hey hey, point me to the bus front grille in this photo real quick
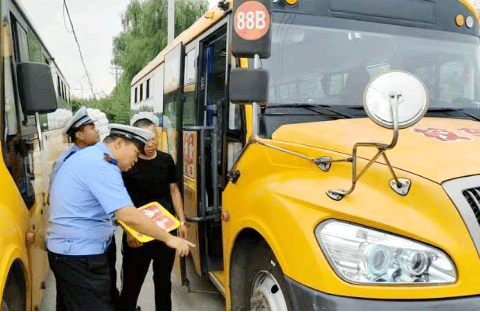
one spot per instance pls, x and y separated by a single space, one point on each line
465 195
473 197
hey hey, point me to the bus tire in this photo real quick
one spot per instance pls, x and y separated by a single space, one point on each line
13 298
265 287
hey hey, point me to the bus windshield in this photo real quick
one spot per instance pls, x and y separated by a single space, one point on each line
314 62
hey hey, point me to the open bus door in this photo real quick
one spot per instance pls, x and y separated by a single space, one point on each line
203 145
192 149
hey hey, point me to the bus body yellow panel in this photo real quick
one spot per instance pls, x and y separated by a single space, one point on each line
273 192
14 216
278 196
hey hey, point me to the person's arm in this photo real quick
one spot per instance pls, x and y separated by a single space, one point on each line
178 206
142 224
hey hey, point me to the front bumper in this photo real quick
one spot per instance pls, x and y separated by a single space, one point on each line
307 299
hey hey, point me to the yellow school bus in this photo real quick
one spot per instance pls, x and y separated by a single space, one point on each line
31 139
288 207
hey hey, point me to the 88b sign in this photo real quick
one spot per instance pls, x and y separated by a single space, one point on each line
251 22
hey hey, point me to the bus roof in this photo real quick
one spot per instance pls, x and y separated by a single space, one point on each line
210 18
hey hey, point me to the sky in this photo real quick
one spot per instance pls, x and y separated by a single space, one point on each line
96 23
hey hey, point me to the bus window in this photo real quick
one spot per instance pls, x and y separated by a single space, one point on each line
34 48
59 87
190 67
427 74
17 164
312 89
453 80
11 123
234 117
189 109
336 84
158 90
147 89
375 70
22 40
234 151
234 135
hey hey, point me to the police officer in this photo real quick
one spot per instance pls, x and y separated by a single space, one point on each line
87 194
82 132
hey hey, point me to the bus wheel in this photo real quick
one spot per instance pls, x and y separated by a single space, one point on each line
13 295
265 285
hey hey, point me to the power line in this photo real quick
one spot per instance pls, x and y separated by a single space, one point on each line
79 49
63 14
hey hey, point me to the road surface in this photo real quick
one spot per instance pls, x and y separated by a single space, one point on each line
181 299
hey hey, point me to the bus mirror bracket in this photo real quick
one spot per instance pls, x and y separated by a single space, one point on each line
397 90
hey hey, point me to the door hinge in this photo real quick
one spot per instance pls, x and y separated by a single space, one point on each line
233 175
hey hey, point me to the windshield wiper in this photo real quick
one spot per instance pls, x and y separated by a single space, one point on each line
310 107
453 110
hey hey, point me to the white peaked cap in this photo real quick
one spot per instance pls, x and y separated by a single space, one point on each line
145 115
131 133
80 118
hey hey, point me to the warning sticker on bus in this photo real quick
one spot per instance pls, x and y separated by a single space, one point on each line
162 218
251 20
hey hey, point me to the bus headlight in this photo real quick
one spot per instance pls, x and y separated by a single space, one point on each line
365 256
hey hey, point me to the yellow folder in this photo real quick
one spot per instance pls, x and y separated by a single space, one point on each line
159 215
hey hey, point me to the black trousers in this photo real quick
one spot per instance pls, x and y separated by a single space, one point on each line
85 282
134 269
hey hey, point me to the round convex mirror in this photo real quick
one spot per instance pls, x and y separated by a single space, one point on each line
412 104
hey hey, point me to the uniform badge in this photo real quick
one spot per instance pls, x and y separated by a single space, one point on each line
110 159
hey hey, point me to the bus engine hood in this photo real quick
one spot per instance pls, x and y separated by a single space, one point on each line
438 149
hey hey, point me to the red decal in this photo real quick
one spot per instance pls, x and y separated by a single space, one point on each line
441 134
472 131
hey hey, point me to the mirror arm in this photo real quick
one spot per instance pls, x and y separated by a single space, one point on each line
255 108
39 132
394 99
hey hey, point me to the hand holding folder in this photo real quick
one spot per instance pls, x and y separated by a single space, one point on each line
159 215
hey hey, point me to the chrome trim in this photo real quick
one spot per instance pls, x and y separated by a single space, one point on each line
454 190
403 188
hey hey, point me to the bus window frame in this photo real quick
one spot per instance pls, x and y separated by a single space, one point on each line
25 132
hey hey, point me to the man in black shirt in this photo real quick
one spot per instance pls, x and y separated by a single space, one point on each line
153 178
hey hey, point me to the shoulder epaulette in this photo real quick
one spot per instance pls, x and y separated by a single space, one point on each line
109 159
70 154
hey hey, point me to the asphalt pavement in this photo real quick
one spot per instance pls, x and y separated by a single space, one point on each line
182 300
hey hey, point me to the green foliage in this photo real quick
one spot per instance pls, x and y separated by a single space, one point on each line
61 103
143 36
76 104
34 48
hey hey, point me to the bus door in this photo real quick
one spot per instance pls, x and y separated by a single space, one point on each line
212 102
203 151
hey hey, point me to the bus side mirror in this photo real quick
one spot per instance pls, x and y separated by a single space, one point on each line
37 92
248 85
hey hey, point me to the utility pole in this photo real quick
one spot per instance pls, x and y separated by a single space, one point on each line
117 71
171 20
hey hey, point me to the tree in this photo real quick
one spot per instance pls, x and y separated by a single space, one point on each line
143 36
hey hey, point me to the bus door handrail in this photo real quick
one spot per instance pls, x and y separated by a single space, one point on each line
203 217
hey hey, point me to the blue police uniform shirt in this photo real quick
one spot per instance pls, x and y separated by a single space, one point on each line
87 190
60 160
